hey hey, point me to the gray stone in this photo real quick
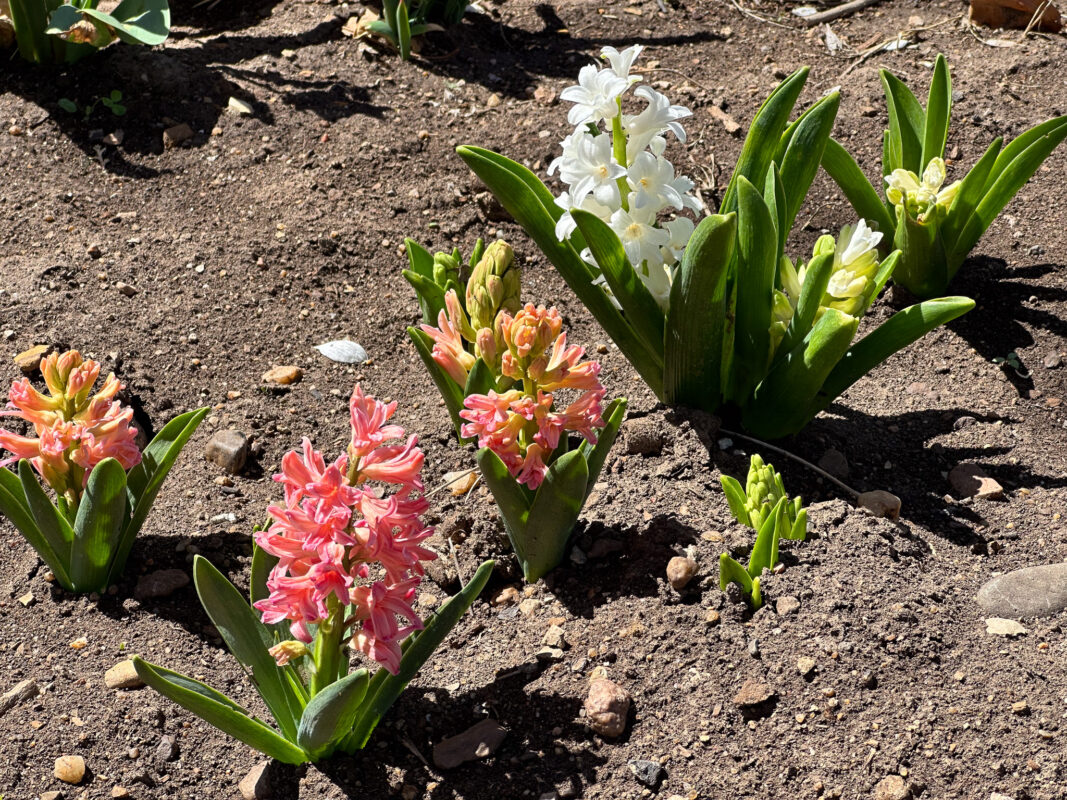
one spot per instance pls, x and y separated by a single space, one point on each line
1028 592
228 449
606 708
648 773
998 626
786 604
834 462
19 693
256 784
478 741
892 787
167 749
161 583
123 676
970 480
643 436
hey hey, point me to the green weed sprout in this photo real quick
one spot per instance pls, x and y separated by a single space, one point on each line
403 20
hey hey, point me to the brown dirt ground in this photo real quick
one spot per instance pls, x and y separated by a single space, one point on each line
266 235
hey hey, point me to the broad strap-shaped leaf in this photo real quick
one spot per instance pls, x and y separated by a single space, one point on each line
763 137
757 266
403 30
800 161
13 506
782 403
329 716
765 550
98 527
865 200
923 268
731 571
640 307
145 480
968 196
596 454
907 125
385 687
799 530
249 640
736 497
881 278
775 198
694 341
53 525
479 380
144 22
816 279
533 206
896 333
451 392
553 514
1021 143
217 709
431 296
1008 178
938 112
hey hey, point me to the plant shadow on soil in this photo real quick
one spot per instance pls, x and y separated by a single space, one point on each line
190 85
508 59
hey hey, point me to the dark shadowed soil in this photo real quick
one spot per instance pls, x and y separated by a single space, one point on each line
265 235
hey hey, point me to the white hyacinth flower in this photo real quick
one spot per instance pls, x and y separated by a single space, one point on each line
679 230
647 128
566 225
589 168
639 234
621 63
920 197
596 95
652 179
855 263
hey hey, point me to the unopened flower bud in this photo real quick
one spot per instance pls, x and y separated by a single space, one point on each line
485 346
494 285
283 652
446 268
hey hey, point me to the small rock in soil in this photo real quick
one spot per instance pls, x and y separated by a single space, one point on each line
969 480
126 289
753 648
120 793
30 360
19 693
479 741
868 680
892 787
227 449
1022 708
834 462
643 436
606 708
786 605
805 666
283 375
1053 360
51 796
880 504
529 606
648 773
755 699
167 749
70 769
680 570
712 618
1028 592
554 638
256 784
123 676
506 596
998 626
161 583
176 134
549 655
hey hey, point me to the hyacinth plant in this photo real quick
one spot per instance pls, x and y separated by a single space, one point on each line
933 225
84 449
713 316
401 21
54 31
500 367
337 570
764 506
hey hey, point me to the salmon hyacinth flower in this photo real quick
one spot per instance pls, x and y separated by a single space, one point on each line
349 551
75 430
521 425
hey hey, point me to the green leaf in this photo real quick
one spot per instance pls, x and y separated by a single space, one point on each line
868 204
732 572
450 391
480 379
782 403
512 500
799 530
30 21
249 640
533 206
774 197
640 307
98 527
816 279
907 124
800 161
216 709
144 22
736 497
553 515
968 196
763 136
757 267
145 480
923 268
13 506
385 688
330 715
765 550
881 277
695 334
898 332
52 524
938 112
403 30
595 455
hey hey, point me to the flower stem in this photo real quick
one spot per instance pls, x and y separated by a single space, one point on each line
328 647
618 145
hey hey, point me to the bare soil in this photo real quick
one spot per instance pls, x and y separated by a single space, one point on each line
265 235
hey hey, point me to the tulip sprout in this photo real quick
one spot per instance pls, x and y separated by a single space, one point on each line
936 226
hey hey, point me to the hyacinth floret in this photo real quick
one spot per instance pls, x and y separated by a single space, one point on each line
618 172
348 539
75 429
